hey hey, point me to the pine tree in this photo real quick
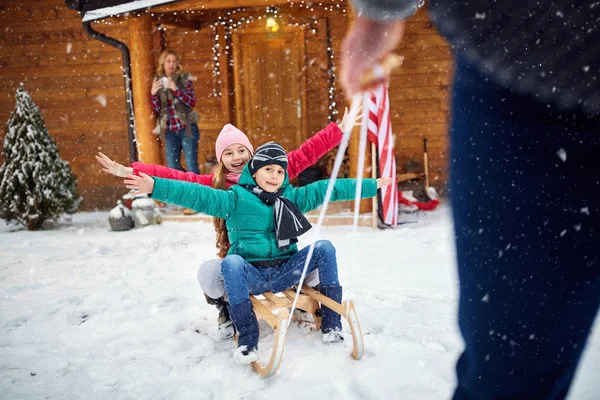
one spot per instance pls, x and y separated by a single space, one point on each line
36 185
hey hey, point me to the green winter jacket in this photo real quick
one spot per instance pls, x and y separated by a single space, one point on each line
249 221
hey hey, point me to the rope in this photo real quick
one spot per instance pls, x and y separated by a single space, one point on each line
334 173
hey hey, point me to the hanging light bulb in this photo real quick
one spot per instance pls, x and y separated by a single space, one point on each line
272 24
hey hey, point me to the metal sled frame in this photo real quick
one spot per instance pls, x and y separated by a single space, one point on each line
308 301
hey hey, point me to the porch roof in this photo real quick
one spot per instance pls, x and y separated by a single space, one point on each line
92 10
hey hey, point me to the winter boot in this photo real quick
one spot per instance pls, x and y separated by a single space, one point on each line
331 322
245 322
226 329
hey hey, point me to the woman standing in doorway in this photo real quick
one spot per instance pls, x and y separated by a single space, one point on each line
173 99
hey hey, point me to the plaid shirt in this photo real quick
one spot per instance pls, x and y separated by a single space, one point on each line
186 96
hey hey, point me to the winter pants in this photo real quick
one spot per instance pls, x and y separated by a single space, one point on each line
176 141
241 278
211 279
525 192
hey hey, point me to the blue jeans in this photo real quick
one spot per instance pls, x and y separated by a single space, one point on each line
177 141
525 202
242 278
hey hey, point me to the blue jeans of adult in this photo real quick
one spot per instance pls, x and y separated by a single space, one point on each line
525 192
176 141
242 278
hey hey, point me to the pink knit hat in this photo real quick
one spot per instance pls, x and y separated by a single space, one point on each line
231 135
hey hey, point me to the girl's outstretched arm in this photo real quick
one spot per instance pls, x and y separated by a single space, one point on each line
113 167
215 202
171 173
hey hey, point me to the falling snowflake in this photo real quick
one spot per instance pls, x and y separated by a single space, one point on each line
562 154
101 99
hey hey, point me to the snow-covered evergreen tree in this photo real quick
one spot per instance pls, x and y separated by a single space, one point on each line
36 185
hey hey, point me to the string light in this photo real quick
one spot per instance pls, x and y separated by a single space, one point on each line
231 24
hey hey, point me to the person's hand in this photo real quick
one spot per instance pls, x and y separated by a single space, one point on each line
350 120
366 43
156 86
171 84
381 182
113 167
141 184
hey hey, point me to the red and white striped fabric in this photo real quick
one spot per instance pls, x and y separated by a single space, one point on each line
376 108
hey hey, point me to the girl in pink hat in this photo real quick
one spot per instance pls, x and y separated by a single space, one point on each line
233 150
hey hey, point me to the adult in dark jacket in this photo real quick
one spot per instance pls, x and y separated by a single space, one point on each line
523 180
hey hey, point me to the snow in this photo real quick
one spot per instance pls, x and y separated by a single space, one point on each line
143 202
90 313
101 99
100 13
120 211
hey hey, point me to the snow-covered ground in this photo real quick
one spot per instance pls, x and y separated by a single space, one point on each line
86 313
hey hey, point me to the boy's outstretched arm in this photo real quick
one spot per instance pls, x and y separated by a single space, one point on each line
215 202
312 196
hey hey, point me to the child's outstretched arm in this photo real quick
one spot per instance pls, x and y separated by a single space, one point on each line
113 167
215 202
171 173
312 196
322 142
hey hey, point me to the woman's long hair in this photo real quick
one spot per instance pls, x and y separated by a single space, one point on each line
160 70
219 182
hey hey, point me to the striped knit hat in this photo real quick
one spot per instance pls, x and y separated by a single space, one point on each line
268 154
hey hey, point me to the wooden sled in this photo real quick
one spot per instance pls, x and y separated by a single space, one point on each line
308 301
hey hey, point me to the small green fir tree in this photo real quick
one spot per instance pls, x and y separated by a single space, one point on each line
36 185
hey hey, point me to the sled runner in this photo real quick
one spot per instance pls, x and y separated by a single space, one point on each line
308 301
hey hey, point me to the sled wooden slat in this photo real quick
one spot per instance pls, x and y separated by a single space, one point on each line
350 316
269 369
308 301
263 312
334 305
289 293
278 302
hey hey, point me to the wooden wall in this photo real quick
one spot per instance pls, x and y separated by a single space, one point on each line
77 83
419 100
196 53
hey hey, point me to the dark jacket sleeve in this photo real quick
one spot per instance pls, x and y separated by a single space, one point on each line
386 10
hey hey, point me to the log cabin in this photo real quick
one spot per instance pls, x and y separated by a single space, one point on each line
274 84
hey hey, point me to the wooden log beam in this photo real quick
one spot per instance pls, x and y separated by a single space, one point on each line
142 73
194 5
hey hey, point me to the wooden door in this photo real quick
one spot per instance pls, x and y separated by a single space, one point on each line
270 85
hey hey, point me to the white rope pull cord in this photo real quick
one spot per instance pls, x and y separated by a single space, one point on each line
334 173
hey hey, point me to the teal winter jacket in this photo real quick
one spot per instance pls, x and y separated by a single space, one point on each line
249 221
